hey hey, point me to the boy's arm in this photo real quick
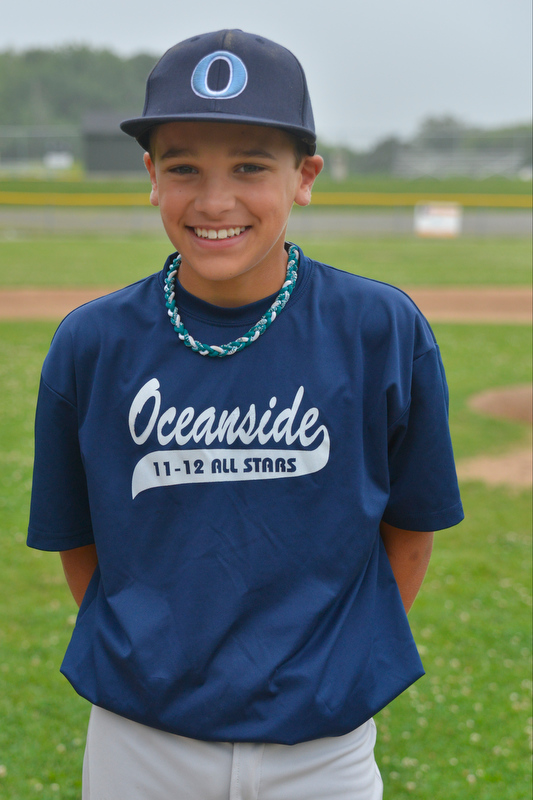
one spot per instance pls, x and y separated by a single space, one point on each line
409 553
79 565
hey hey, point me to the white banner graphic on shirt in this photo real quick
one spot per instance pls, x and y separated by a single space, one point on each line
212 427
172 467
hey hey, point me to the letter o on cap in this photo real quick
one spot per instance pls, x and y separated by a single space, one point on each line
238 76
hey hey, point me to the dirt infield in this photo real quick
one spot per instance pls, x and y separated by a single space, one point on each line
484 304
514 468
512 402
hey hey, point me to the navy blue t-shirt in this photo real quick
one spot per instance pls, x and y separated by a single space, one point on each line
243 591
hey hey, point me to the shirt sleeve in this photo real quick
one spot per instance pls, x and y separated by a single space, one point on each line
424 493
59 515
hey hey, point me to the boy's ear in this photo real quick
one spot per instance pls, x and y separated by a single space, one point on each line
149 164
309 169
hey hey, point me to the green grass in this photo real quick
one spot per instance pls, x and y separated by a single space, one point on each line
476 358
115 261
79 185
406 261
356 183
464 730
81 261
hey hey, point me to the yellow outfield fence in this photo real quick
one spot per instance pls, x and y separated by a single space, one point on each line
369 199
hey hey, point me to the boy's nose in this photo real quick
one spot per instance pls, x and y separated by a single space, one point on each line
214 197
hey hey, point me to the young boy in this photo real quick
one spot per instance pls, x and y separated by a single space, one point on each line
244 534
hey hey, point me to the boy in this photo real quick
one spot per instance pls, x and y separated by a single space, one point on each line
244 534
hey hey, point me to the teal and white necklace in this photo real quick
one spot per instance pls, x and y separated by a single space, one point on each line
214 351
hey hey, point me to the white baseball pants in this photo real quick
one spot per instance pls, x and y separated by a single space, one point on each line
128 761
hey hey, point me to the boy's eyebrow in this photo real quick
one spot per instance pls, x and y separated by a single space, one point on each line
253 152
177 152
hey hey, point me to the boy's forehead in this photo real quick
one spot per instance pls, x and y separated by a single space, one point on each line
234 138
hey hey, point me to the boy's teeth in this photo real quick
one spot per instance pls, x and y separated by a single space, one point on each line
223 233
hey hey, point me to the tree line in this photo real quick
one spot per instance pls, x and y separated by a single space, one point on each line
58 87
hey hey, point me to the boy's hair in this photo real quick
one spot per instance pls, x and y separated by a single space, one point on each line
228 76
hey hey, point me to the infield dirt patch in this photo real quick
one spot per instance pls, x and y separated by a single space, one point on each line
514 468
483 304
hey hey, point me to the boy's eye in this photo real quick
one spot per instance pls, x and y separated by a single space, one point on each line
250 168
183 169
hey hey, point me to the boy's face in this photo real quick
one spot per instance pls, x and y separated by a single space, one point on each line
225 193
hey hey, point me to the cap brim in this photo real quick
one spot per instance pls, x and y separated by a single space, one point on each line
140 127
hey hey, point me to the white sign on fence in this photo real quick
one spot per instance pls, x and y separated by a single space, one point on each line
438 220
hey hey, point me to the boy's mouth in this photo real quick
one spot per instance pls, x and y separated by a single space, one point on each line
222 233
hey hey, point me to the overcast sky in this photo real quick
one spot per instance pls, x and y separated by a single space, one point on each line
374 67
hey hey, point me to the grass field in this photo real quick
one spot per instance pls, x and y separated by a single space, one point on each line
115 261
463 732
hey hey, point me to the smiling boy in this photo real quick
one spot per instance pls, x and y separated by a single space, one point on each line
212 178
242 460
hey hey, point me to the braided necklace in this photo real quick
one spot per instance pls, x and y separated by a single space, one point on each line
214 351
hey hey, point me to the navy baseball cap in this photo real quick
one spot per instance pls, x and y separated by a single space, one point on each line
227 76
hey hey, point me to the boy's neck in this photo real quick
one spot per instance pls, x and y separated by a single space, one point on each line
260 281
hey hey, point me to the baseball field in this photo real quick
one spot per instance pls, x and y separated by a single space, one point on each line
464 730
